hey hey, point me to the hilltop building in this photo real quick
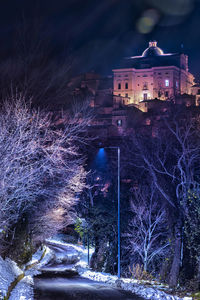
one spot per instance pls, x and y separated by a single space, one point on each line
153 75
142 89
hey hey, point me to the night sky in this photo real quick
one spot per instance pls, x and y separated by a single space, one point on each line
99 33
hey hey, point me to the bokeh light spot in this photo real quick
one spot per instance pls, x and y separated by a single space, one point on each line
147 21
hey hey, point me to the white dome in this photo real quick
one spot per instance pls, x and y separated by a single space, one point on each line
152 50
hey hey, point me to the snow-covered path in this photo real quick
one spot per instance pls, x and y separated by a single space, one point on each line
147 290
60 280
61 272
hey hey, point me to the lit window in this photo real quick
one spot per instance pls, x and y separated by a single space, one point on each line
119 123
119 86
166 82
126 85
177 84
145 96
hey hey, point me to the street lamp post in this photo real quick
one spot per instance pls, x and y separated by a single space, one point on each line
118 209
88 248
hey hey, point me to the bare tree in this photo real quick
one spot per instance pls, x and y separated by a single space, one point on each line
170 159
41 171
147 234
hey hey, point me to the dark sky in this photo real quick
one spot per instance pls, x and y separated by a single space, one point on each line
99 33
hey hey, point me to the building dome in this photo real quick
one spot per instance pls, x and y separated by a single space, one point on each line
152 50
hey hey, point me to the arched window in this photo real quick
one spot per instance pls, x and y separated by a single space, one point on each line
126 85
119 86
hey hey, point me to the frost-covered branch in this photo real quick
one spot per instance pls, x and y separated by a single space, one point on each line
41 171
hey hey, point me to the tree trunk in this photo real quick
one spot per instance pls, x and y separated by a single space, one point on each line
175 268
145 264
164 270
98 257
93 260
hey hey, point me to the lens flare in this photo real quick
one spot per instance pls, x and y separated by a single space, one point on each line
147 21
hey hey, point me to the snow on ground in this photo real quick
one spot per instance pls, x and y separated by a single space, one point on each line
49 255
77 251
24 289
133 285
74 248
9 271
36 256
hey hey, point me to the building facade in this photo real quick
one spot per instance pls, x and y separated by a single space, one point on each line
138 91
153 75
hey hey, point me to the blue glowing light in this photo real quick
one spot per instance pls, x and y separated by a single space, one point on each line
101 152
101 162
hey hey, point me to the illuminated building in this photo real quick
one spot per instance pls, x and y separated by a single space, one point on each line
145 88
153 75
